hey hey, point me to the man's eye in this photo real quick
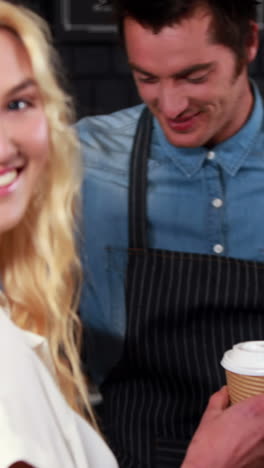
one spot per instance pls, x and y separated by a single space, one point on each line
198 79
18 104
146 79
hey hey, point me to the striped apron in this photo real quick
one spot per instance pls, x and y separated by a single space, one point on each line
183 311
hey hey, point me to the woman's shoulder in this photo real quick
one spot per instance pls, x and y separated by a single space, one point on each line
97 452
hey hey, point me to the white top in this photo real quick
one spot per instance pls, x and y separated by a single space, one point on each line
37 426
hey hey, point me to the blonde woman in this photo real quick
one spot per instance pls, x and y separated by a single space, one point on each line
43 397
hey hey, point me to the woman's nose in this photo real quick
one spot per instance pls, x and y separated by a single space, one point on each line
7 145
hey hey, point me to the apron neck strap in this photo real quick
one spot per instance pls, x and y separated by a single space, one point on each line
138 182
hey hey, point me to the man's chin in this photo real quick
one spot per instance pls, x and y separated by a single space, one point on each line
185 140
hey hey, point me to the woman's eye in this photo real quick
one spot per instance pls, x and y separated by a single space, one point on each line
18 104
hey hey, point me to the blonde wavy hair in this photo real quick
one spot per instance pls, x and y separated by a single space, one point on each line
39 266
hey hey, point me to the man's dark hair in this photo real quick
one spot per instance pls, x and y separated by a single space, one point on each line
230 18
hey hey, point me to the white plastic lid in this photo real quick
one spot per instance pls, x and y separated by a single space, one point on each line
245 358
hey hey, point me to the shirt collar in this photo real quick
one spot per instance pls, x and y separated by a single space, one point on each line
229 154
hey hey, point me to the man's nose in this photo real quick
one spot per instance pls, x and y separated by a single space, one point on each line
172 101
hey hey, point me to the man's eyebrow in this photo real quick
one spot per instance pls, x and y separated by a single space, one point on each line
28 83
194 68
183 73
138 69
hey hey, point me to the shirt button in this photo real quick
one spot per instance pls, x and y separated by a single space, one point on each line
218 248
217 202
211 155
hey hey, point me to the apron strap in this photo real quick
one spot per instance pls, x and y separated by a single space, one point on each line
138 182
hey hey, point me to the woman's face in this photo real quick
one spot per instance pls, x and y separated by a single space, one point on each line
24 137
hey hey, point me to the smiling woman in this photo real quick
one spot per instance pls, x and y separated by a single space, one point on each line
24 139
42 389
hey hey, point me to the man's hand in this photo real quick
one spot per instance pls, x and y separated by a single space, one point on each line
229 437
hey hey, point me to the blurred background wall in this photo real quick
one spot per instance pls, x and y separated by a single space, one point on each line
95 63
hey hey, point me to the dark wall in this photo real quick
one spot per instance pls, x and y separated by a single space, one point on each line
100 76
95 63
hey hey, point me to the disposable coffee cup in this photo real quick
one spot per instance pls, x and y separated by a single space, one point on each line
244 368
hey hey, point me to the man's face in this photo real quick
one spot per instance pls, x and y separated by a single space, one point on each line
189 83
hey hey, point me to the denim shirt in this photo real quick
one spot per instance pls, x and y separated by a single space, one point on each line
198 200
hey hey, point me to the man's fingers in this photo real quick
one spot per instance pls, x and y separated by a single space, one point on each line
232 437
218 402
251 410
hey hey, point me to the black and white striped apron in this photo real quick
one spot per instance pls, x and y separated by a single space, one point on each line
183 311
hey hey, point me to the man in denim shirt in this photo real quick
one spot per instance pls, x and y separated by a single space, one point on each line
173 241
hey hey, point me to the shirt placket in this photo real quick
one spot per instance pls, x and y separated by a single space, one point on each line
216 206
